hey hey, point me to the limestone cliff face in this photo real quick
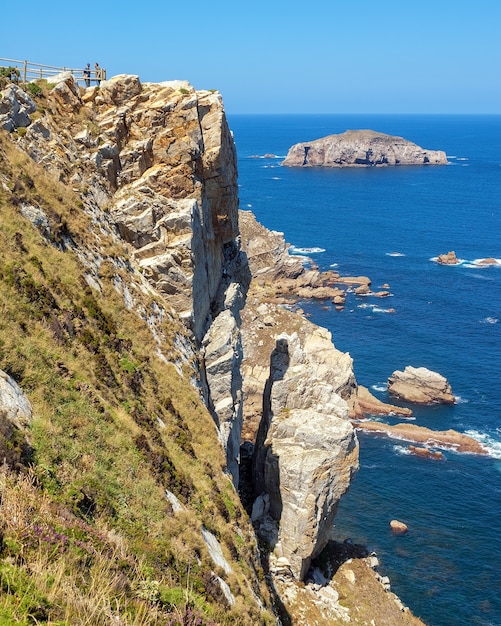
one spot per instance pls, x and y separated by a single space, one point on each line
156 167
362 148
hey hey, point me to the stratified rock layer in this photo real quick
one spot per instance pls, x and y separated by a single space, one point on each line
362 148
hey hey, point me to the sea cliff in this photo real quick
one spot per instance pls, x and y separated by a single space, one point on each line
160 310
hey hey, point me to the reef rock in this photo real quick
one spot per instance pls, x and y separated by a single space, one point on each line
426 453
362 148
419 434
448 259
420 386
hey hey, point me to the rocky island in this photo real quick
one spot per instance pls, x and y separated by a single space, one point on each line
361 148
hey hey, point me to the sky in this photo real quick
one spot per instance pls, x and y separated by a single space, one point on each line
282 56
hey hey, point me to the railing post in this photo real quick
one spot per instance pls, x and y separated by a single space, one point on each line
25 67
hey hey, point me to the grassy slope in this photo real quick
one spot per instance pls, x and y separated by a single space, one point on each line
87 534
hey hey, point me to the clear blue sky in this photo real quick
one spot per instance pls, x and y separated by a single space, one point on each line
290 56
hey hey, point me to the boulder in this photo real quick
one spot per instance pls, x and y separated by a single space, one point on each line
398 528
15 107
361 148
420 386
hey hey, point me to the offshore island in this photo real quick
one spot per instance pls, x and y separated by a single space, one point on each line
361 148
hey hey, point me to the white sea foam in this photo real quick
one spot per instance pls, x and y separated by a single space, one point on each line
462 158
492 445
489 320
401 450
297 250
395 254
378 309
380 387
460 400
276 178
334 265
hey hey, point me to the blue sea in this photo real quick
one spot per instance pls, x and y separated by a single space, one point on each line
390 224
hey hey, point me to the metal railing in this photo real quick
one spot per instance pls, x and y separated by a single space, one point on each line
25 71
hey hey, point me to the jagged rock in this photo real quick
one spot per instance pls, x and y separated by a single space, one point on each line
361 148
448 259
15 107
66 92
420 386
306 451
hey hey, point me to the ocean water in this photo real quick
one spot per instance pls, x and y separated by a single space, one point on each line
390 224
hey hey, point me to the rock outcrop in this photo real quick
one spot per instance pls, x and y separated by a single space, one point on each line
306 451
448 259
420 386
361 148
445 439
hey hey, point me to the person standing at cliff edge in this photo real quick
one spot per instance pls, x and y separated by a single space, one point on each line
86 75
99 73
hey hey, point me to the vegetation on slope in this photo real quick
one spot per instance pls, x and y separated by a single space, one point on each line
87 534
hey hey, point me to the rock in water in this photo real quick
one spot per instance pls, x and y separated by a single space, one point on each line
362 148
421 386
398 528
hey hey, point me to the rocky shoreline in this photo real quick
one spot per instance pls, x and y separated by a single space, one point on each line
155 169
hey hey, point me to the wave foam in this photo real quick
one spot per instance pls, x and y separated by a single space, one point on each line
380 387
401 450
394 254
297 250
493 446
489 320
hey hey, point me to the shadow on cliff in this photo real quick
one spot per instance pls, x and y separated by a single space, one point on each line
262 476
334 555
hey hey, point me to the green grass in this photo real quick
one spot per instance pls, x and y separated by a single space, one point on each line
86 532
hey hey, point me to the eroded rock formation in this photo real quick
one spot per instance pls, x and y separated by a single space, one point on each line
420 386
361 148
306 450
444 439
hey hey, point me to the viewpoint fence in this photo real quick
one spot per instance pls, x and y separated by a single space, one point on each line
25 71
